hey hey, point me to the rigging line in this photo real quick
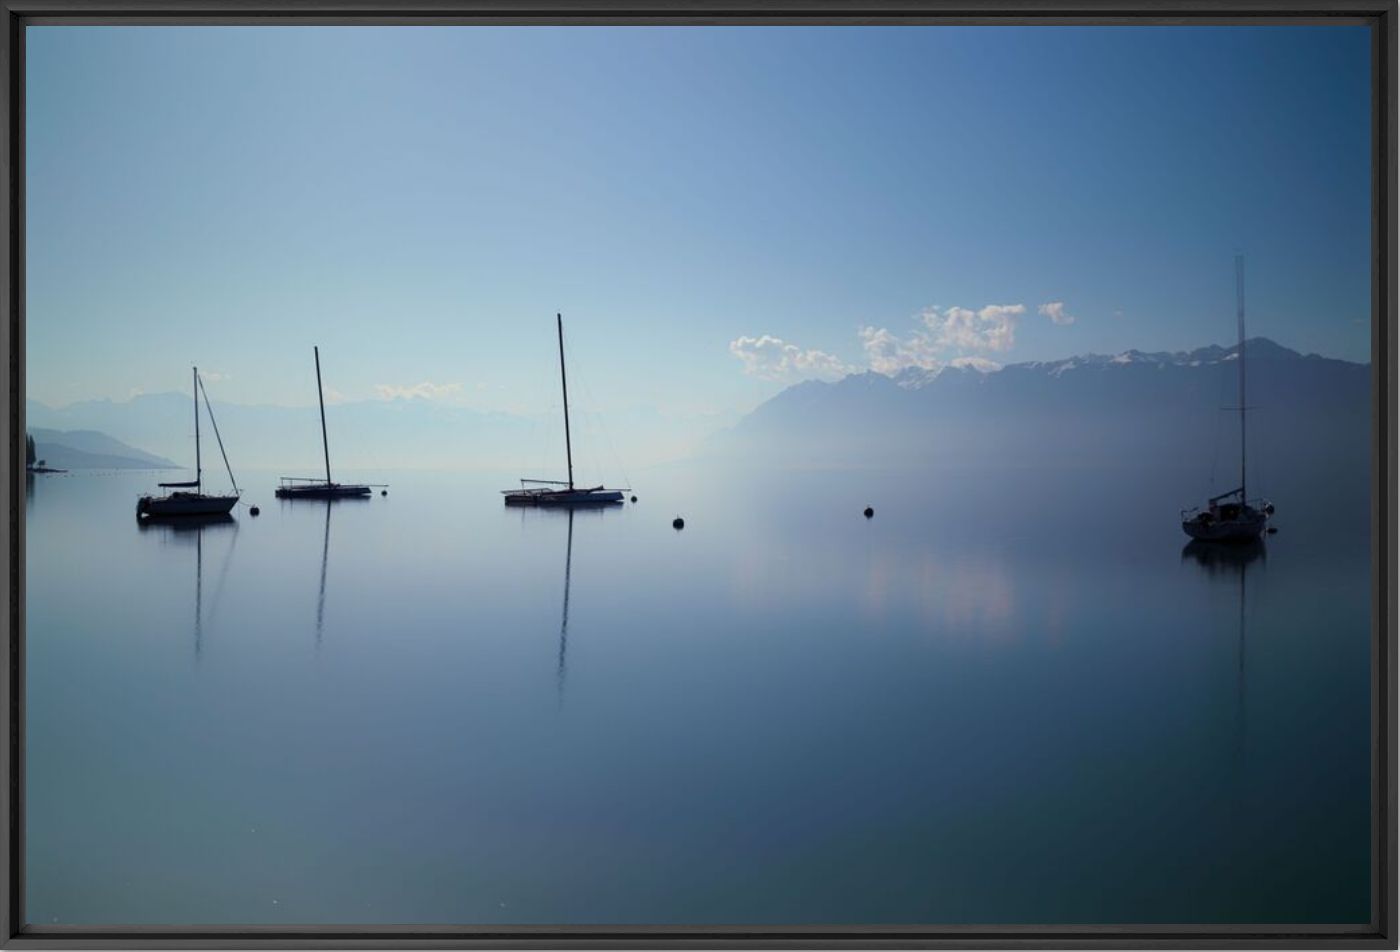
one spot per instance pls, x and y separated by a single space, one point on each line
209 409
607 436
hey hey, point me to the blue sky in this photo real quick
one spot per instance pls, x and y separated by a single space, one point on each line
421 201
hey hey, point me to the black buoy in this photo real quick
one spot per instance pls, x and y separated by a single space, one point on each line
869 512
634 498
383 492
678 523
253 510
1272 529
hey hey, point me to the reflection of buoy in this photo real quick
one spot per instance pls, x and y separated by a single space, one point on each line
869 512
253 510
383 492
634 498
678 523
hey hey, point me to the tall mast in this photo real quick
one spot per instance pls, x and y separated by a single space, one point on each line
1239 359
564 380
321 397
198 473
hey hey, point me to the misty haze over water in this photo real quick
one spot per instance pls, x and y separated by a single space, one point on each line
1010 696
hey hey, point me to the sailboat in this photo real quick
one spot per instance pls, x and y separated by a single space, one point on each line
314 487
181 501
552 492
1232 516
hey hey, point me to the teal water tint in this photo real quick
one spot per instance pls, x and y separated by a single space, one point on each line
1007 698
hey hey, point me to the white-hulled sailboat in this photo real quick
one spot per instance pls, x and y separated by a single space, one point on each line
314 487
553 492
1232 516
181 501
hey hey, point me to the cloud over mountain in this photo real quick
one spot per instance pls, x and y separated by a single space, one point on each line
1158 409
772 358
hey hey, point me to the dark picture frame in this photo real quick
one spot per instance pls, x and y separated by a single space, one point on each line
1380 15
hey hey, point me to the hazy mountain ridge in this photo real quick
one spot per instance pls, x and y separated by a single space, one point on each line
403 433
1091 410
89 449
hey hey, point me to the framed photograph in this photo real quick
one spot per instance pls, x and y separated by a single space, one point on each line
714 473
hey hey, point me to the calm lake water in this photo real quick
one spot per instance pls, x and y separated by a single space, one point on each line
1007 698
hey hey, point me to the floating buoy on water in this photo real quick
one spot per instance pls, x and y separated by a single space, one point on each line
1272 529
869 512
678 523
253 510
383 492
634 498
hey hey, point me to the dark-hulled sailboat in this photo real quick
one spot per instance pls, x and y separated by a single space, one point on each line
188 498
314 487
1232 516
553 492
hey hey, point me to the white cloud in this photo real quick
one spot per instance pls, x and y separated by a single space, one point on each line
993 327
772 358
420 391
888 353
950 336
976 363
1055 310
213 376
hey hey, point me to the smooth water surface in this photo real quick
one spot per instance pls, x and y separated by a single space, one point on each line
1007 698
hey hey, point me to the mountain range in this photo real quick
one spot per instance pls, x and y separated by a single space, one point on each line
1104 411
89 449
1132 408
375 434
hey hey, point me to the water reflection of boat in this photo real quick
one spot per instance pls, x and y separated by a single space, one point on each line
321 595
1226 562
564 615
193 528
553 492
188 498
1232 516
561 671
313 487
1218 558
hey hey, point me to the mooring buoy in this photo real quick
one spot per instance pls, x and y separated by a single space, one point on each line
678 523
869 512
634 498
383 492
253 510
1272 529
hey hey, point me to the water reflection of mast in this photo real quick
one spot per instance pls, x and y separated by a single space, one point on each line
564 619
321 598
199 575
180 531
198 591
1219 560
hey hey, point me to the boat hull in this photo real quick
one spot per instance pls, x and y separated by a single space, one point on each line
1245 528
323 491
178 505
564 497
